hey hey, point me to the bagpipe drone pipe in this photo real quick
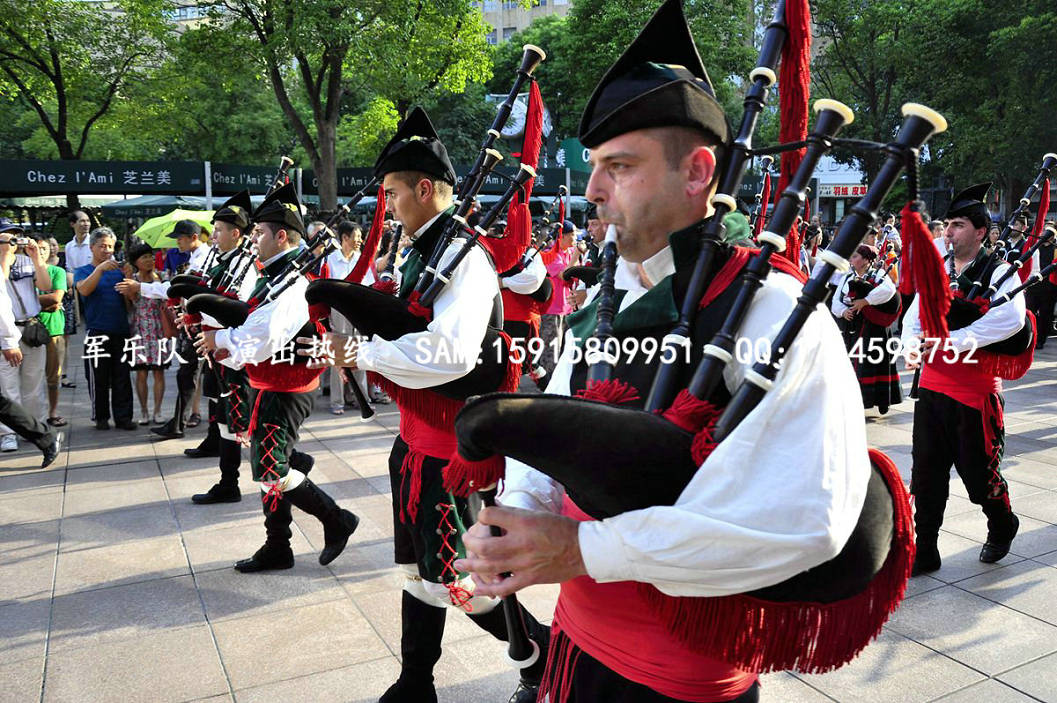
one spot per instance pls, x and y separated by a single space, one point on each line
882 314
376 312
812 622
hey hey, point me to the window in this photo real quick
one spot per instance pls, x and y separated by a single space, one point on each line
510 4
489 5
491 38
509 32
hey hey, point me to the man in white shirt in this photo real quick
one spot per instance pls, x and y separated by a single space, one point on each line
12 413
341 262
24 383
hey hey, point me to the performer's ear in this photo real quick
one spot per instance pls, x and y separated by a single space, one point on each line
701 169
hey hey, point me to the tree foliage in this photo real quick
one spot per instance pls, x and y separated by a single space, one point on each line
69 61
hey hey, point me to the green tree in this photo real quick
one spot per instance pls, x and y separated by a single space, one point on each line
70 60
326 51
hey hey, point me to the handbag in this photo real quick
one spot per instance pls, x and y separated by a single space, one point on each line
34 333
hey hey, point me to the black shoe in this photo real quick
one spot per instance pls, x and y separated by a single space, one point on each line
218 494
104 425
997 546
125 425
926 560
51 452
276 553
338 523
170 430
525 693
201 452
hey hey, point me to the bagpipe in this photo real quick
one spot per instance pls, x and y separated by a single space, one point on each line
882 314
389 273
814 621
759 211
375 312
243 260
549 234
1009 358
231 312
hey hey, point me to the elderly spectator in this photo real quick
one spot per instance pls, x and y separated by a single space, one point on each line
54 320
106 329
24 383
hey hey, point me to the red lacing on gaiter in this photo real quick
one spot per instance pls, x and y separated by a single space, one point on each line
236 414
268 460
458 595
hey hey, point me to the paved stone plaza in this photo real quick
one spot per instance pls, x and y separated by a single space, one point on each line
114 587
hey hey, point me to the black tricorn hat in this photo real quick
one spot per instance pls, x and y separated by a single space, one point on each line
970 203
659 81
236 211
416 147
281 207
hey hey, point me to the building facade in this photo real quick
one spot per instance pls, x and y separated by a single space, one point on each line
508 17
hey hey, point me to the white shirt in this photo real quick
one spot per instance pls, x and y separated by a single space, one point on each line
269 328
528 280
450 345
340 267
10 335
882 293
996 324
22 288
758 512
77 254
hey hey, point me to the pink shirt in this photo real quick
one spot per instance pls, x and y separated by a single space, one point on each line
558 262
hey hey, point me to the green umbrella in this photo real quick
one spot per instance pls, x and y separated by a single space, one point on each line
155 231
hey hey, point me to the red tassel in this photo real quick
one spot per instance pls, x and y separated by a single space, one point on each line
561 211
507 251
612 391
758 635
1005 366
923 272
415 308
512 379
765 201
431 408
462 476
794 90
370 247
390 287
562 656
690 414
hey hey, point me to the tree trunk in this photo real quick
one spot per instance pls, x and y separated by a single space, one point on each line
73 200
326 169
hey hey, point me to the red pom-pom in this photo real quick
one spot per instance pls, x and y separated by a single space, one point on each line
689 413
389 286
612 391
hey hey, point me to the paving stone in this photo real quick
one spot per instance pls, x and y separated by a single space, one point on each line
228 594
989 690
367 566
114 476
922 584
176 665
41 504
24 629
125 562
129 494
1026 586
895 669
359 683
1031 472
284 643
220 546
21 680
975 631
1041 506
28 539
94 617
28 576
1049 559
108 527
1037 678
25 482
382 610
784 686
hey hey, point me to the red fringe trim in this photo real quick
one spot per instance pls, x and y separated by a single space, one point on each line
1007 367
512 379
690 414
462 476
612 391
431 408
758 635
415 308
704 443
390 287
562 655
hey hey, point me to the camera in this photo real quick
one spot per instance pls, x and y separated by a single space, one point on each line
19 241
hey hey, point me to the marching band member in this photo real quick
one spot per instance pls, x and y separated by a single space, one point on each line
757 512
958 418
284 391
865 304
418 178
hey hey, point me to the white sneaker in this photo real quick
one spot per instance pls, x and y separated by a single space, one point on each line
9 443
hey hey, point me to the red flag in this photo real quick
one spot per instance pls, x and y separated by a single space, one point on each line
370 247
1036 231
507 251
794 91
